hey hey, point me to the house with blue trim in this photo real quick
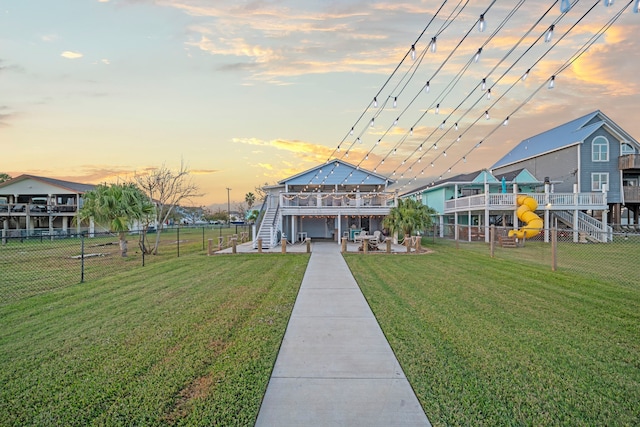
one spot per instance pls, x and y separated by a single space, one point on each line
332 200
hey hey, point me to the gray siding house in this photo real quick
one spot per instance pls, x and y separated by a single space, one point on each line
589 154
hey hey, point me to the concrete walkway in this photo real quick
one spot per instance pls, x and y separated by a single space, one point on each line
335 366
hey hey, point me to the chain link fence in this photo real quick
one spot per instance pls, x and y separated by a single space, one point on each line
31 265
615 256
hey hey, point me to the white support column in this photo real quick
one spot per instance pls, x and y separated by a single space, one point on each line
455 226
469 218
547 206
575 213
441 226
339 237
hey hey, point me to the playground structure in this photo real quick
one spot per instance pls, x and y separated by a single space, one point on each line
526 213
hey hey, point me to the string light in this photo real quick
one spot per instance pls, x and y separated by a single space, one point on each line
411 132
437 108
427 88
552 82
506 122
420 147
395 101
395 122
350 132
459 138
413 52
486 115
372 120
482 24
442 124
456 125
433 45
488 93
375 102
476 58
358 140
526 74
549 35
484 84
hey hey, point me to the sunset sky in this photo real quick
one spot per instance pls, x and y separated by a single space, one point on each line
250 92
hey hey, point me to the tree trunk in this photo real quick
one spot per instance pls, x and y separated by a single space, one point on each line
123 244
407 241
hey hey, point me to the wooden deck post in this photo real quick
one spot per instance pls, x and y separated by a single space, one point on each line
210 248
260 245
308 240
344 245
233 246
283 242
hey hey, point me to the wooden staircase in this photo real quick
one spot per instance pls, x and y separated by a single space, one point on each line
507 242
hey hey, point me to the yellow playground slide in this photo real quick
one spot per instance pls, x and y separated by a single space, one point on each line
526 213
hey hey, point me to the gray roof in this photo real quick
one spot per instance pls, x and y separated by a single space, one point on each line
73 187
563 136
337 172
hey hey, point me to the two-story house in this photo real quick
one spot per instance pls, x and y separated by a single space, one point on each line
32 205
329 201
589 154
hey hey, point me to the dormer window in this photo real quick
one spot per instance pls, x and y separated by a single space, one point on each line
600 149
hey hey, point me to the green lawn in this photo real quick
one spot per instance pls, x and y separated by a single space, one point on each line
189 341
501 342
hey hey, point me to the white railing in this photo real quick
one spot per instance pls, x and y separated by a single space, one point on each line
588 225
331 200
555 201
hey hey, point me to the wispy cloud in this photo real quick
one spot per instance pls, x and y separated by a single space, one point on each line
71 55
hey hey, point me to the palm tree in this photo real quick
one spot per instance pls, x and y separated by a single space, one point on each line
250 200
116 206
410 215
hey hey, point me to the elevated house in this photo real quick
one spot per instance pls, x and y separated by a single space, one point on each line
587 155
35 205
583 175
469 204
332 200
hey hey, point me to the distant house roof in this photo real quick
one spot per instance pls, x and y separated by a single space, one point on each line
563 136
520 176
72 187
336 172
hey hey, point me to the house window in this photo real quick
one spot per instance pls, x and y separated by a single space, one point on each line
600 149
626 148
598 180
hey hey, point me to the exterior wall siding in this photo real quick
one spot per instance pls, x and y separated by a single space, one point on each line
610 167
558 166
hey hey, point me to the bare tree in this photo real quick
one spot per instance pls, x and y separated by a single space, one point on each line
166 189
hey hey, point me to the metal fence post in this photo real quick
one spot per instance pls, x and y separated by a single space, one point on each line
178 240
203 238
492 239
144 249
554 249
81 258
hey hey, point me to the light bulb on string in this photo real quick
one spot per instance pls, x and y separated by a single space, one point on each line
444 153
488 94
413 52
433 45
395 101
565 5
432 165
346 154
464 159
419 159
375 102
442 124
435 146
449 170
552 82
526 74
476 58
459 138
484 84
382 162
395 122
427 88
437 108
395 150
482 24
486 115
377 142
506 122
351 131
372 120
420 147
456 125
549 35
403 162
358 140
338 148
366 157
411 132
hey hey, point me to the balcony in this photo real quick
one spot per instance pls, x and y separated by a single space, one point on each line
551 201
629 161
336 203
631 194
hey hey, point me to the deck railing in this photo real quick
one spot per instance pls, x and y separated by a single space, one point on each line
331 200
497 201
